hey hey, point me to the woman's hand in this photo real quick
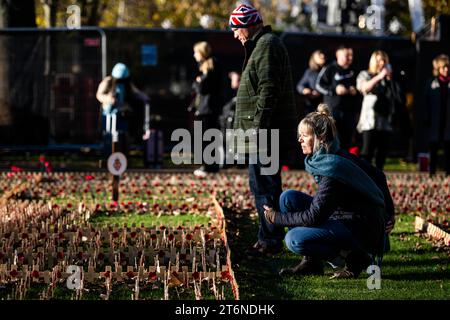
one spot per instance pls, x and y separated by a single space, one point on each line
269 214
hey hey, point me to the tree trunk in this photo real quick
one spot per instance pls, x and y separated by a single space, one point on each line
50 7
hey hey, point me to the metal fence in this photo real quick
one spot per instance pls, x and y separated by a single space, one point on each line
53 75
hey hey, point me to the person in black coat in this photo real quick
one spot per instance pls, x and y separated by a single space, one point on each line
349 216
307 84
437 115
208 102
337 83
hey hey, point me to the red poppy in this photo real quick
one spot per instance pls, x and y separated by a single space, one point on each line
153 236
58 274
225 275
195 206
133 234
107 274
170 206
196 275
14 273
189 237
130 274
21 256
149 192
115 234
61 236
152 276
162 228
16 169
35 274
69 205
171 237
89 177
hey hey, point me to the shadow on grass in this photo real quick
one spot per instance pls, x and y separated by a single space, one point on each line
257 277
417 276
416 263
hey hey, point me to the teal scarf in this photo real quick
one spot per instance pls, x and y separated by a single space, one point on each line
328 164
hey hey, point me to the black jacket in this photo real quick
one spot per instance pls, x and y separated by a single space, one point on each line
328 79
309 80
333 198
209 93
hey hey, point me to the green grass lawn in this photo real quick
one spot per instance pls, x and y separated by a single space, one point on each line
150 220
413 269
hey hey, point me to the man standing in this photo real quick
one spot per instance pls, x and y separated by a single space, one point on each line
337 82
265 100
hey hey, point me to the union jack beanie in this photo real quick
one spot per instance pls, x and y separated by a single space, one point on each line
245 16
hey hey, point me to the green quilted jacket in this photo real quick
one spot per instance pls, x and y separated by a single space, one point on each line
265 98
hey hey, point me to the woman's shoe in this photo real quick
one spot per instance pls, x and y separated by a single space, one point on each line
356 262
308 266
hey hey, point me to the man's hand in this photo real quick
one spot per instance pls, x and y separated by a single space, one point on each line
307 91
390 225
146 135
341 90
269 214
315 93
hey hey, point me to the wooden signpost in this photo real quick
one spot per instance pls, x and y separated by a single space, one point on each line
117 164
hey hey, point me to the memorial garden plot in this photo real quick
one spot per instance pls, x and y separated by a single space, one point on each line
59 239
61 236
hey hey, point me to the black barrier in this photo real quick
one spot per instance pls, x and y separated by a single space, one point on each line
54 74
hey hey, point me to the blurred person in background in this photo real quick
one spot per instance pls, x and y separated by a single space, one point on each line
121 98
437 116
337 83
381 94
207 102
307 84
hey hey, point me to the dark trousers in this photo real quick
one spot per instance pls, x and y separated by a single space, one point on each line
434 147
375 143
345 125
209 122
266 190
323 241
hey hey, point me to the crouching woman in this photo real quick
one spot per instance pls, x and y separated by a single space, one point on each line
349 217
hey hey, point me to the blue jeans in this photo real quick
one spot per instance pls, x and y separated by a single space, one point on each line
266 190
323 242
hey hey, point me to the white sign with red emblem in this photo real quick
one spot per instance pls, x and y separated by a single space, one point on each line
117 163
